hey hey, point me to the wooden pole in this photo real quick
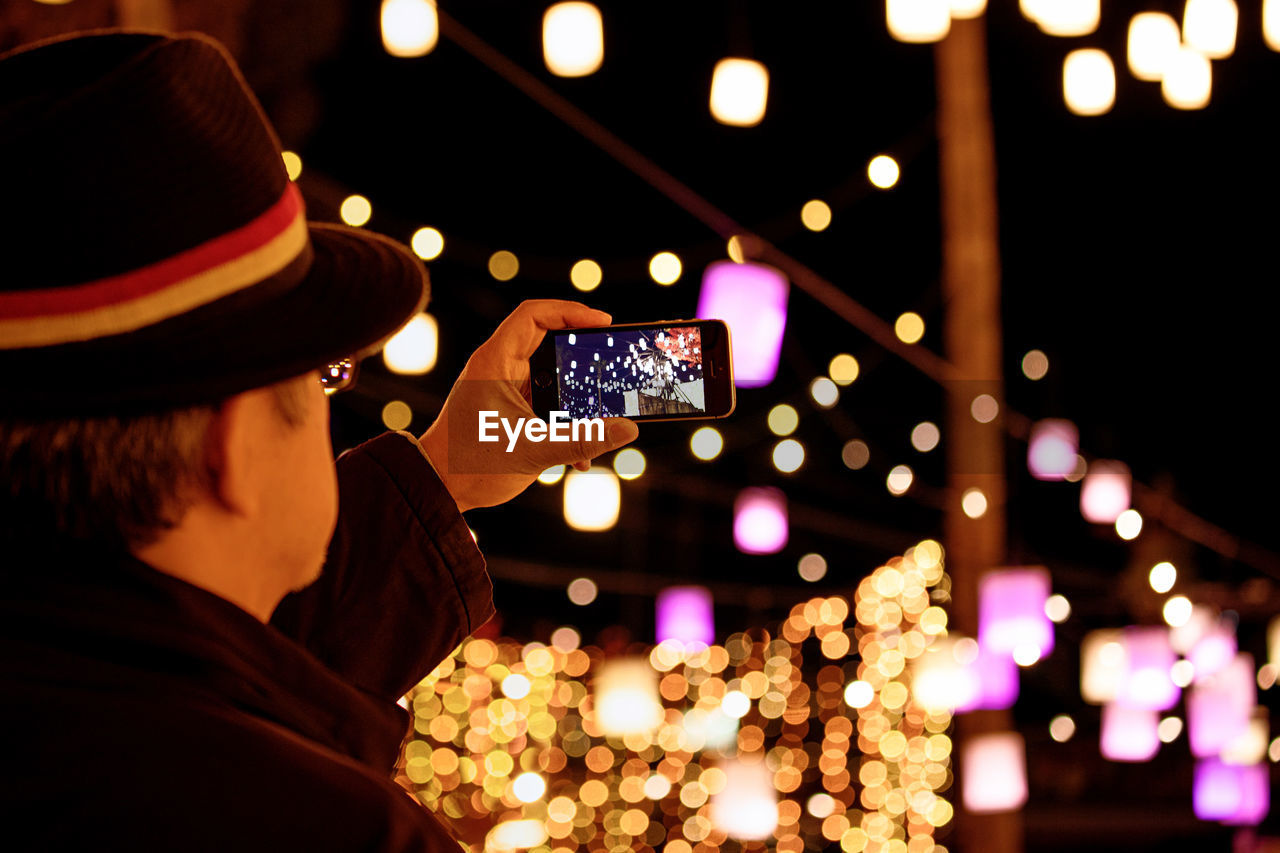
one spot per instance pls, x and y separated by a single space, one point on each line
971 292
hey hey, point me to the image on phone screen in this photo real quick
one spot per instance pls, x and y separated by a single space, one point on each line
629 372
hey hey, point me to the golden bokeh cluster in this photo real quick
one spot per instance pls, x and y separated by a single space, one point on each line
867 777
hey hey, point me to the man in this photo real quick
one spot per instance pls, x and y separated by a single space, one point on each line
206 625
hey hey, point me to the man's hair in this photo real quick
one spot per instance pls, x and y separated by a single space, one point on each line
117 483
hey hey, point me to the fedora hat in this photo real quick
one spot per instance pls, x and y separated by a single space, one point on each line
154 252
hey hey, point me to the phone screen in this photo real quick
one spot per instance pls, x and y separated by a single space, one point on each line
631 372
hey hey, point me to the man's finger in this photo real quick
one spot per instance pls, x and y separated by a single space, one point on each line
521 333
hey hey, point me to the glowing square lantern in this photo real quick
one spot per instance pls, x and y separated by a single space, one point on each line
1051 452
739 91
1105 491
1220 707
1149 659
572 39
918 21
1231 793
994 772
747 807
760 521
592 499
1103 662
685 615
997 676
625 695
1011 617
409 27
752 299
945 676
1129 734
1213 651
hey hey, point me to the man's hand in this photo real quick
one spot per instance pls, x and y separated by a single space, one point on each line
496 379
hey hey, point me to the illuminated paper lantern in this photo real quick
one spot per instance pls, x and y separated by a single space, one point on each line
409 27
1220 707
1209 26
1249 747
1103 662
944 677
412 350
1271 23
685 615
997 676
1088 82
1105 491
1147 683
1188 81
1067 17
994 772
572 39
1184 637
760 521
752 299
747 807
625 694
1231 793
1129 734
1011 617
1154 38
739 92
592 499
1051 452
1213 651
918 21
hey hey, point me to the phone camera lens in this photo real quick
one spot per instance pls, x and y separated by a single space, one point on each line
542 378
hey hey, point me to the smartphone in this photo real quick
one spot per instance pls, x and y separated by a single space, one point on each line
674 370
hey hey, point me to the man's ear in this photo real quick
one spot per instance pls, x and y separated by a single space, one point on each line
230 455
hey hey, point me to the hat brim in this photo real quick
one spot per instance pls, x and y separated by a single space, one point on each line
360 289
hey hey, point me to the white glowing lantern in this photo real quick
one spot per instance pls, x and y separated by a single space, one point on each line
1271 23
1105 491
918 21
994 771
1051 451
1130 734
1103 662
515 835
1184 637
412 350
592 499
1089 82
739 91
1188 81
942 680
1209 26
747 807
1068 17
625 694
409 27
1249 747
1153 41
572 39
966 9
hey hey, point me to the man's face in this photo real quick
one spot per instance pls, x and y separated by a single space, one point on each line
302 508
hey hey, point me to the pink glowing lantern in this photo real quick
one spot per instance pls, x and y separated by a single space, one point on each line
994 773
685 615
1105 491
760 521
1011 617
752 299
1051 451
1129 734
1220 707
1213 651
1147 683
1231 793
997 680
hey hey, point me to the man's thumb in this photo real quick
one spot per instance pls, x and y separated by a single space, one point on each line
621 431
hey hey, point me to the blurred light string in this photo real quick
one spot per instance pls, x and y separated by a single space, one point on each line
1154 505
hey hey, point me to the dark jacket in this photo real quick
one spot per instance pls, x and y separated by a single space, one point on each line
138 712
